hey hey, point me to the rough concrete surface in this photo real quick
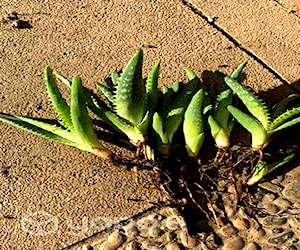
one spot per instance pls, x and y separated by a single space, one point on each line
91 38
263 27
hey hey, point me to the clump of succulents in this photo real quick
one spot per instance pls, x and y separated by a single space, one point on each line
151 117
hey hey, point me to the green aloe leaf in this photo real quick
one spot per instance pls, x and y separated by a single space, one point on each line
279 107
258 132
283 118
263 168
151 84
236 73
151 97
287 124
253 104
221 114
176 87
106 92
193 124
158 127
132 132
174 116
42 129
220 135
115 77
190 74
130 92
63 79
59 103
81 121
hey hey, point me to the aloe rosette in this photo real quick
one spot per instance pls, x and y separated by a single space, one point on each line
262 123
74 126
132 100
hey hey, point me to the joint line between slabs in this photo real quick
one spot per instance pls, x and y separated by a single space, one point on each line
238 44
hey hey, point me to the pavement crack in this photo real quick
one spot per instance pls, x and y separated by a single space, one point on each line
196 10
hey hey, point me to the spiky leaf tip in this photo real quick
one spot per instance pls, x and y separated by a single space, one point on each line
59 103
190 74
151 87
82 123
115 77
236 73
253 104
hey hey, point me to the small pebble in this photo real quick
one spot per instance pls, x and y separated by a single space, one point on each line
151 245
270 187
210 19
277 230
87 247
253 246
291 191
145 223
170 236
278 179
211 241
241 223
230 211
279 240
292 247
297 204
154 232
186 240
228 230
258 233
130 230
172 246
171 223
295 224
235 243
133 245
271 208
116 239
274 221
106 245
283 203
268 197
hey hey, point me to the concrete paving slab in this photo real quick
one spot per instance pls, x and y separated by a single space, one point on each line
262 27
42 180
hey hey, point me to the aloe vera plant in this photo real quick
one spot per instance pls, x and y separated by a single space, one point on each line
262 123
221 122
74 126
174 103
132 99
